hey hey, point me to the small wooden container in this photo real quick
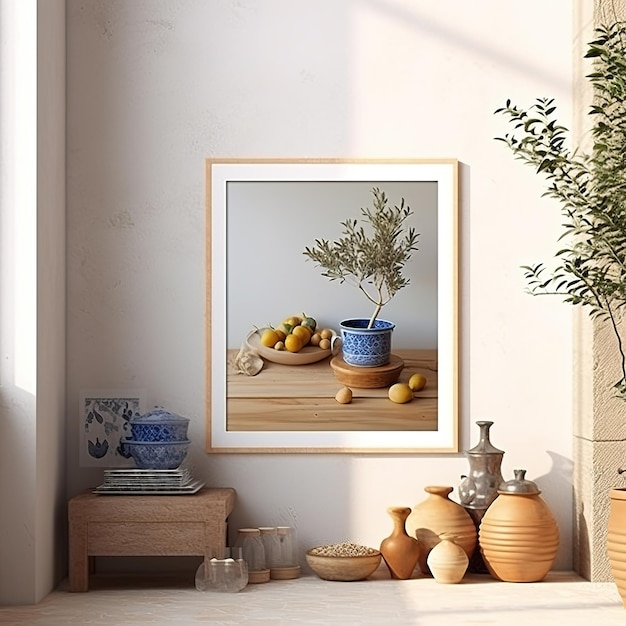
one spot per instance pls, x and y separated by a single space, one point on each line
285 573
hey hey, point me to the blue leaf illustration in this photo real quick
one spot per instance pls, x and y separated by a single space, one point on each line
97 450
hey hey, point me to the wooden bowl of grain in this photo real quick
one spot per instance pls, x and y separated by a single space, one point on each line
343 561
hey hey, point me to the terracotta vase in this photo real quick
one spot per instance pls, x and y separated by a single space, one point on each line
616 539
518 534
400 551
448 561
436 515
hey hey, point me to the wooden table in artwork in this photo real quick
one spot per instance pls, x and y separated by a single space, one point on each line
145 525
302 398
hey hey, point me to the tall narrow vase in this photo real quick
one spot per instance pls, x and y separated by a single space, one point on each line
479 488
438 514
616 539
400 551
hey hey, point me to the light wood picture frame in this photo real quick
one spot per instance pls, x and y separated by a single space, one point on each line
260 215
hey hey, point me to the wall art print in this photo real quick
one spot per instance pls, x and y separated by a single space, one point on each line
103 419
261 216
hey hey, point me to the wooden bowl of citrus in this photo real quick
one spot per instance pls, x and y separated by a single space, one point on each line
292 342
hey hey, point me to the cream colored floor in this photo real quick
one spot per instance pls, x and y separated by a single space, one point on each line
562 599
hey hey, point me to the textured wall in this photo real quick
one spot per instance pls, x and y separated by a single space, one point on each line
32 299
155 87
599 417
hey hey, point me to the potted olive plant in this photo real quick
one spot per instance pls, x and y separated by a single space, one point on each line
591 188
372 261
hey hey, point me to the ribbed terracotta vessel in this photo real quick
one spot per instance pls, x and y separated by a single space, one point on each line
448 561
436 515
400 551
518 534
616 540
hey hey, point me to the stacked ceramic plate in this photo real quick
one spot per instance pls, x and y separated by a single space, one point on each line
142 482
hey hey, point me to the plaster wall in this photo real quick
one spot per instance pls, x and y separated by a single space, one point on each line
599 416
32 299
154 87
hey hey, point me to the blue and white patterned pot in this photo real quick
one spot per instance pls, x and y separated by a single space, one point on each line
159 425
157 455
363 346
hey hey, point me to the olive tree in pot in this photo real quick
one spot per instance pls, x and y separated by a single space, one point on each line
591 187
372 261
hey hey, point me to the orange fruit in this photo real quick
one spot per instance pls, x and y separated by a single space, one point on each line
293 343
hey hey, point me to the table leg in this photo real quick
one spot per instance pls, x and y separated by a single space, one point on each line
78 559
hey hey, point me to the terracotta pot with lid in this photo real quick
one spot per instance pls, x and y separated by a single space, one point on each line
518 534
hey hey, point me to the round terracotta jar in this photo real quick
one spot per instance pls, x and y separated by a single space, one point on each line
436 515
448 561
518 534
616 540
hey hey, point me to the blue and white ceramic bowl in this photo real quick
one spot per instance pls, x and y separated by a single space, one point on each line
158 455
159 425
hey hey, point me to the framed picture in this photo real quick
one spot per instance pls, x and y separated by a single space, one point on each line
262 215
103 417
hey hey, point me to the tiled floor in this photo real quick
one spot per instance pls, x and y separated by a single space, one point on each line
562 598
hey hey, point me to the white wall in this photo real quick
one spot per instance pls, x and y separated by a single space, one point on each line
32 299
155 87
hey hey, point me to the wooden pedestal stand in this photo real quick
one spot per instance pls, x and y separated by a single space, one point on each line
367 377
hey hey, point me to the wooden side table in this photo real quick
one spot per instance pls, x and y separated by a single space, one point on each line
146 525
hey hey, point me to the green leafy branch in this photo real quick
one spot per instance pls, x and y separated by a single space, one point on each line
591 188
372 263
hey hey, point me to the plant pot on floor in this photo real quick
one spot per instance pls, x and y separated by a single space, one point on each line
616 539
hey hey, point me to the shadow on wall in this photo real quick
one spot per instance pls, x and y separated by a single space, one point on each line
557 490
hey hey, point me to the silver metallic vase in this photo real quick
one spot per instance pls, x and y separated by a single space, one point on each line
480 487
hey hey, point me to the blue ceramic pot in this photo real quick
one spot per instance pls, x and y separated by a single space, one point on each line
363 346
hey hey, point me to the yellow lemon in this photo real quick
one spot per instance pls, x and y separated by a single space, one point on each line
293 320
269 338
417 382
400 393
303 332
293 343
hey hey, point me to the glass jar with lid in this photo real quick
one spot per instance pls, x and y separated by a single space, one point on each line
289 562
249 540
271 543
